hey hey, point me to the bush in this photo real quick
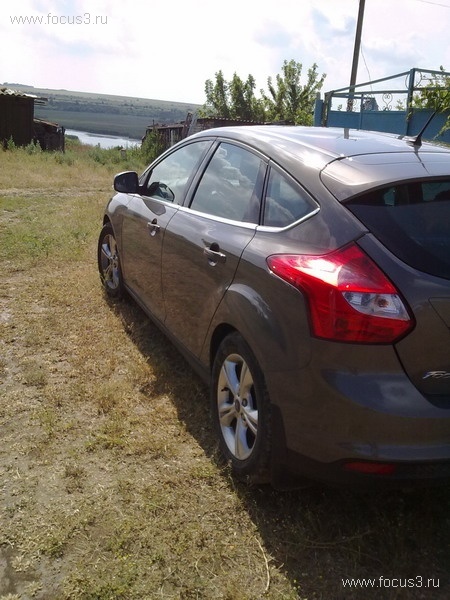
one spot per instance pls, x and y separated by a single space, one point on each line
33 148
10 144
151 147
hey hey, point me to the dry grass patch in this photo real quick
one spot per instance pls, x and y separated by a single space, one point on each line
110 487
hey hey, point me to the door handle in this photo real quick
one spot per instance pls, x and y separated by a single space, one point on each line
214 255
153 227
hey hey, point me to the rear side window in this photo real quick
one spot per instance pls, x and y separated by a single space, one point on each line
413 221
285 201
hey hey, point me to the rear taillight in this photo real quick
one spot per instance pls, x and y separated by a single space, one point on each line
350 299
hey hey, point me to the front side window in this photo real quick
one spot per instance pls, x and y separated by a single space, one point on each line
231 185
285 202
169 178
412 220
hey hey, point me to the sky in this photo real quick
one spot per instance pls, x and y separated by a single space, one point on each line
167 49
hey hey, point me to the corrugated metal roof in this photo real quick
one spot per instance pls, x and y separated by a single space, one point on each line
4 91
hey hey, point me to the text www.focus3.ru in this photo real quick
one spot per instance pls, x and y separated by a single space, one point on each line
50 19
386 582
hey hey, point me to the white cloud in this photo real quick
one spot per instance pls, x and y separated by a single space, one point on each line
167 50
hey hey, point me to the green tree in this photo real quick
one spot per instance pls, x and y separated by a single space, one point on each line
243 102
436 96
217 97
288 100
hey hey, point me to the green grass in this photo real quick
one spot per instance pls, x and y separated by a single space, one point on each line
111 485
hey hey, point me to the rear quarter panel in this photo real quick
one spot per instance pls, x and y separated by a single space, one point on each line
269 313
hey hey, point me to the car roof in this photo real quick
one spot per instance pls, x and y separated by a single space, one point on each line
348 161
334 142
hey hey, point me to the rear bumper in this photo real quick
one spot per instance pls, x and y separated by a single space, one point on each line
358 426
402 475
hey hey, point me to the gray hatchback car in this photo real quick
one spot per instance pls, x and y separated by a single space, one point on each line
305 274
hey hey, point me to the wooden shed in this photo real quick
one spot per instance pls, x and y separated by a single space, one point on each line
16 116
49 135
17 122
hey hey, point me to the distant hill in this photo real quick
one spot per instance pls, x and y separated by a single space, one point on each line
125 116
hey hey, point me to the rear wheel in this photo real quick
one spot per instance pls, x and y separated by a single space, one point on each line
241 409
109 262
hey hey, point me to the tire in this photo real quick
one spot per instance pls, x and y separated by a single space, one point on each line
241 410
109 262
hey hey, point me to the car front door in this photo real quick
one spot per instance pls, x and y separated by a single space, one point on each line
145 221
204 242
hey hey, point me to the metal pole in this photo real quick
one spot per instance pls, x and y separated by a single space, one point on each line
356 51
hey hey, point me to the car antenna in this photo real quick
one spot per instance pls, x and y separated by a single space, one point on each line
417 140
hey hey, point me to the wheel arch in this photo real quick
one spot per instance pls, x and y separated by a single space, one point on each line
218 335
245 310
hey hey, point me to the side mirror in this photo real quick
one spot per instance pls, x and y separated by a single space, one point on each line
126 182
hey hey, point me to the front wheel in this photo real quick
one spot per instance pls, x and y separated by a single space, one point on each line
109 262
241 409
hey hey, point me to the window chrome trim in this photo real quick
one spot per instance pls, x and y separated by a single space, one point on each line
192 211
269 228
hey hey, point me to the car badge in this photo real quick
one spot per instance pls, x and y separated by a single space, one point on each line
436 375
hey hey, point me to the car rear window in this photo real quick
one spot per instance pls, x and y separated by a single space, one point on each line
412 220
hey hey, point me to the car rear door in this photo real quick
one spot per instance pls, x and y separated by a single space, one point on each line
204 243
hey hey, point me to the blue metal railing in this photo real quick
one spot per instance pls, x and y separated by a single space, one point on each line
370 106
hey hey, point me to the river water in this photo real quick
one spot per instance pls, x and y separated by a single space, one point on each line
104 141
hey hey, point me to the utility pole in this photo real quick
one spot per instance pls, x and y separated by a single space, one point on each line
356 51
